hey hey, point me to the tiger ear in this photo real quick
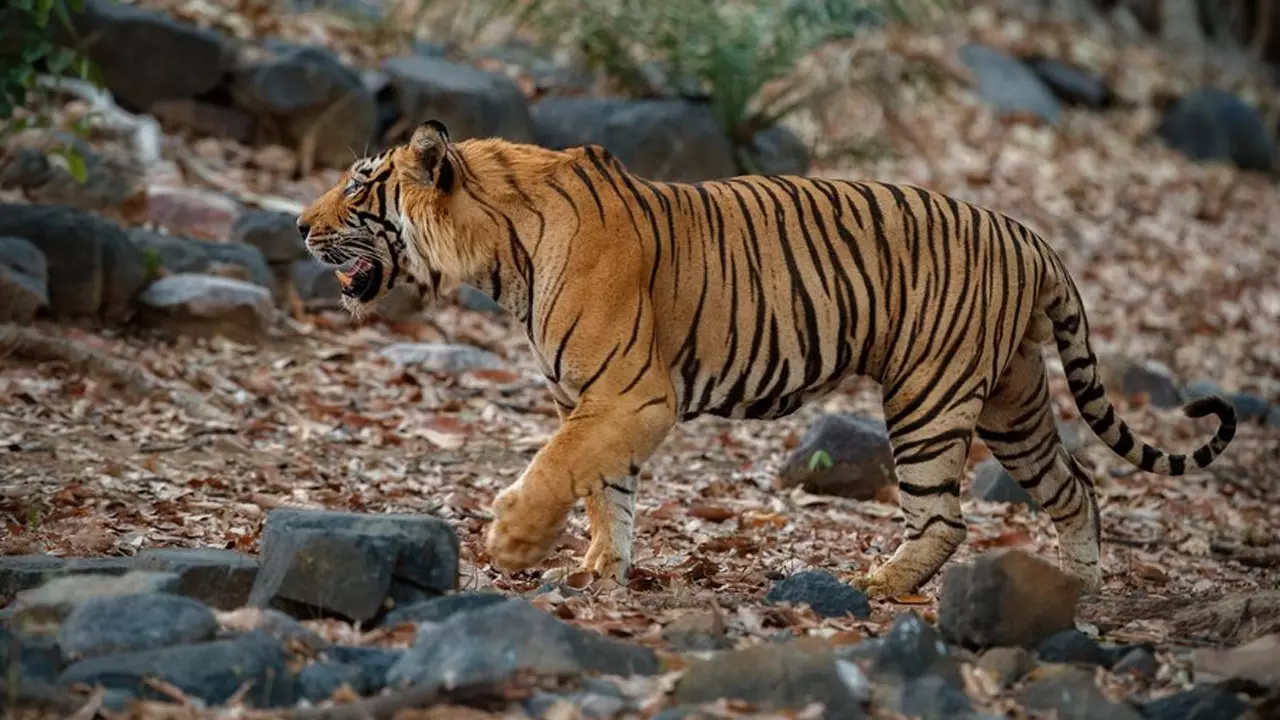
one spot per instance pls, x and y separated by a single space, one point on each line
430 145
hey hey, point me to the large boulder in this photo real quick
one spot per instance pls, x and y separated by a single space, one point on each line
312 98
670 140
1008 86
93 268
147 56
207 305
470 101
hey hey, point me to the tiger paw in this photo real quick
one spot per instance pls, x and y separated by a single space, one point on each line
523 529
884 583
607 561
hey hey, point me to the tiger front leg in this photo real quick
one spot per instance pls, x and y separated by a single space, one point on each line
591 456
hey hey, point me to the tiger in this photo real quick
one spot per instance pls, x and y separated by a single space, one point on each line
648 303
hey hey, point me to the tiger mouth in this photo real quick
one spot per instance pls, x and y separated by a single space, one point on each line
360 278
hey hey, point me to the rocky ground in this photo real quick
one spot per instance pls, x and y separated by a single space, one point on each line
248 500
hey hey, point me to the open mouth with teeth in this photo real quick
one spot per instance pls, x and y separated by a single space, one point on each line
360 278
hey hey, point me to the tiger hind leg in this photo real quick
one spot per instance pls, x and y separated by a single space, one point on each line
929 456
1017 425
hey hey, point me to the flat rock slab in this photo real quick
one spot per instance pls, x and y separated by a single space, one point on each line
60 596
23 572
776 677
491 644
127 623
439 609
211 671
219 578
345 562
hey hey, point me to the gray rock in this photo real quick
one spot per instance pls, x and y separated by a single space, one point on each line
1072 85
1213 125
697 632
441 357
1204 702
1139 663
1151 377
1202 388
317 286
473 299
1250 408
59 596
775 677
177 254
147 56
1005 597
126 623
669 140
308 92
1006 665
821 591
992 483
24 572
493 643
471 102
928 696
207 305
841 455
345 562
24 280
218 578
1008 86
36 658
318 681
1073 695
776 151
913 649
439 609
275 234
374 663
211 671
30 164
93 269
1071 646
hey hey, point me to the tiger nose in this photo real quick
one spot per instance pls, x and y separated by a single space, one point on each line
303 229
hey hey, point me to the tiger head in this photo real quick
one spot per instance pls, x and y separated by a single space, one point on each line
389 220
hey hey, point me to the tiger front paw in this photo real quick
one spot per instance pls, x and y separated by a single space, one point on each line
523 529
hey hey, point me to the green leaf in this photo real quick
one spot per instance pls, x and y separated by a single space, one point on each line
819 460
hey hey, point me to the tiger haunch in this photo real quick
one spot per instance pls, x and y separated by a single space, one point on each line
650 303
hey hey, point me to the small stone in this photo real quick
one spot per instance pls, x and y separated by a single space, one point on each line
1073 695
776 677
317 286
276 625
821 591
216 577
490 644
125 623
344 562
992 483
472 298
777 151
177 254
1250 408
275 234
1006 597
442 357
36 658
1071 646
1008 86
374 663
439 609
1072 85
1202 388
211 671
1204 702
1006 665
697 632
841 455
1139 663
318 681
1149 377
929 696
911 649
208 305
1209 124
